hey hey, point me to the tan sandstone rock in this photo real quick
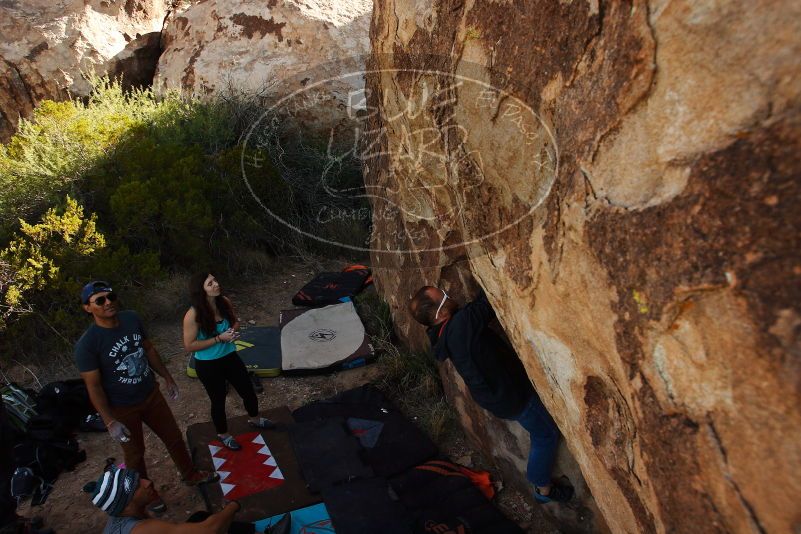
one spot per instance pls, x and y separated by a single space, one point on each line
46 45
271 48
623 181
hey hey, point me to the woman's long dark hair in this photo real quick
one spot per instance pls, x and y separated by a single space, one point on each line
204 315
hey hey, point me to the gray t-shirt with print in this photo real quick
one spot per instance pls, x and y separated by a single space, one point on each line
120 356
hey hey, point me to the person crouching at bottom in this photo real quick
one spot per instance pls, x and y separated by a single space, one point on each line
124 496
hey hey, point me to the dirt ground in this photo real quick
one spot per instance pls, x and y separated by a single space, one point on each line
258 303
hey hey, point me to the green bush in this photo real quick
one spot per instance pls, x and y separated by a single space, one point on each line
39 252
61 143
129 186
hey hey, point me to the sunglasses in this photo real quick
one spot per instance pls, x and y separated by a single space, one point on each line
111 297
444 298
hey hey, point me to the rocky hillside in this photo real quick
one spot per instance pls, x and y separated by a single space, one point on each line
47 47
241 44
268 48
622 178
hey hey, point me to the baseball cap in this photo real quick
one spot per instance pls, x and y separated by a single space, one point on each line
98 286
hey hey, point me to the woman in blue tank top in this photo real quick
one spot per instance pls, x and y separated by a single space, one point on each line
210 329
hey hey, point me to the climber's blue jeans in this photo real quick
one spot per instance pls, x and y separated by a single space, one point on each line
544 441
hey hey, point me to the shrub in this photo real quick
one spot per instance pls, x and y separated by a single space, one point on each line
159 177
43 254
61 143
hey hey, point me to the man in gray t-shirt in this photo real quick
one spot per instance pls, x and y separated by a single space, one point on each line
117 362
119 354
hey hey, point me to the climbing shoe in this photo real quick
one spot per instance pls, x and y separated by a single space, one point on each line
231 443
558 493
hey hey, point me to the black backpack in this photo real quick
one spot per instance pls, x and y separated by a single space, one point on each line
66 400
48 459
46 427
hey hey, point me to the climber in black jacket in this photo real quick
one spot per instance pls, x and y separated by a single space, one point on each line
494 375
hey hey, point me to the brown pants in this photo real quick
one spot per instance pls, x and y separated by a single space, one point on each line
155 413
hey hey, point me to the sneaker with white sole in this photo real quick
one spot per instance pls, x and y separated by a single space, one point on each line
231 443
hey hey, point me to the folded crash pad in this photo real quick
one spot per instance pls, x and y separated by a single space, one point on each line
327 453
442 496
391 443
366 506
330 288
323 339
260 350
264 476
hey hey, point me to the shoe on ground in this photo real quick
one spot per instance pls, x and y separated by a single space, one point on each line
263 423
231 443
198 477
156 506
92 423
558 493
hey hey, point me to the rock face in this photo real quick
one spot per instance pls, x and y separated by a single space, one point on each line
47 45
623 179
271 48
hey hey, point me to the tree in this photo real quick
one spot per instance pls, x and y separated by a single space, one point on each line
45 255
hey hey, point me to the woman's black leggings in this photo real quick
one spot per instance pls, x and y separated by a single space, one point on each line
214 374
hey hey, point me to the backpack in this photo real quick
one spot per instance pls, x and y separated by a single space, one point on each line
48 459
67 401
25 484
46 427
19 404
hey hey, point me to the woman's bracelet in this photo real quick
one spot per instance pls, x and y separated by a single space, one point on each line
216 339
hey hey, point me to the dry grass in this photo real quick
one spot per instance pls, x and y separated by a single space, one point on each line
409 378
251 262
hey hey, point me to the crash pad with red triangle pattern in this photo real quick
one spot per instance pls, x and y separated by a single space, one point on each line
258 487
252 469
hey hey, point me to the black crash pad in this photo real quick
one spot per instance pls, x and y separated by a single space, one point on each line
440 498
327 453
365 506
330 288
400 444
